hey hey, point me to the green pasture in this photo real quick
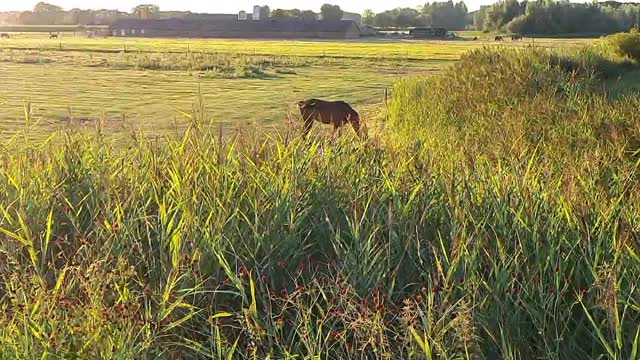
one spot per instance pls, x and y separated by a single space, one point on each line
132 83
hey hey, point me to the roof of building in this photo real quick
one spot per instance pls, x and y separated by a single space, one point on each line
351 15
428 29
237 25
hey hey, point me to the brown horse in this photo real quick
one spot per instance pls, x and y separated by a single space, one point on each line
337 113
499 38
4 36
53 36
516 37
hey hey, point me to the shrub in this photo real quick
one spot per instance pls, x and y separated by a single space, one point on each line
497 103
626 44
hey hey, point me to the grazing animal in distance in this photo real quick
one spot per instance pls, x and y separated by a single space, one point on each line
475 38
4 36
337 113
53 36
498 38
516 37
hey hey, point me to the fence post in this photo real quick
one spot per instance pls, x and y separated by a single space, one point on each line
60 46
386 104
386 97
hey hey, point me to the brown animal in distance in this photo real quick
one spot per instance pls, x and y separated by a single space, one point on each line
338 113
53 36
5 36
516 37
498 38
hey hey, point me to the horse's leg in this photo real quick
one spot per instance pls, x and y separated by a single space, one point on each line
336 127
308 124
356 126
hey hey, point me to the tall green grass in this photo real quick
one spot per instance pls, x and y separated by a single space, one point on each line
496 219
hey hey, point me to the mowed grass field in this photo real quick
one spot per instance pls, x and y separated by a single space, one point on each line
132 83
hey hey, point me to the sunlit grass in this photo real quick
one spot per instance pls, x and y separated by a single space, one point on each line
419 242
149 89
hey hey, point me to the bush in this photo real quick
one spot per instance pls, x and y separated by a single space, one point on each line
503 105
626 44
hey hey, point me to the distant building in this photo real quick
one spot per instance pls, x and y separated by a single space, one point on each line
347 16
194 16
428 33
368 30
357 18
267 29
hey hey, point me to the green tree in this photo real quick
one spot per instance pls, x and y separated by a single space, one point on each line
501 13
384 20
406 17
146 9
280 13
43 7
286 14
308 15
44 14
331 12
368 17
446 14
545 17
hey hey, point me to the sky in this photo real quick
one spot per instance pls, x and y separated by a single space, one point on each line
226 6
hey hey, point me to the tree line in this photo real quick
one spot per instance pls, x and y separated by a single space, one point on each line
446 14
328 12
525 17
558 17
48 14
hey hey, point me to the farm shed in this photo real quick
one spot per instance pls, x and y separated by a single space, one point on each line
428 33
368 30
272 28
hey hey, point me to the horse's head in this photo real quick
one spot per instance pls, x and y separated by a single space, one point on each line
308 108
307 104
